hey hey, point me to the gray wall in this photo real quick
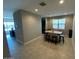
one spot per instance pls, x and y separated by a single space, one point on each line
68 24
29 25
74 31
18 26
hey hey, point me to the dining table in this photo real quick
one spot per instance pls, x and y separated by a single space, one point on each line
53 32
53 35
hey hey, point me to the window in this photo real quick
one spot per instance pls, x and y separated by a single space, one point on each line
58 23
9 25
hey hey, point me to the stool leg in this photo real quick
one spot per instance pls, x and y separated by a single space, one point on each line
63 39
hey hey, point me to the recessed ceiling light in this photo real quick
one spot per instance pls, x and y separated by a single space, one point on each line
65 13
36 10
61 1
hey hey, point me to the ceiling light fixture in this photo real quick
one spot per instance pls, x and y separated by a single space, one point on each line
61 1
36 10
65 13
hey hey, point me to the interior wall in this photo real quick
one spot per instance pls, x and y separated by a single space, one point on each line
48 24
31 25
74 31
68 24
27 25
18 26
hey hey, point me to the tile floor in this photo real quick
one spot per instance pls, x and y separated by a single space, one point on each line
40 49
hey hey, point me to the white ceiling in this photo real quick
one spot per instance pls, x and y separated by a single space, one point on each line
52 8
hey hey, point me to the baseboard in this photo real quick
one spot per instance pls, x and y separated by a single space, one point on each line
19 41
32 40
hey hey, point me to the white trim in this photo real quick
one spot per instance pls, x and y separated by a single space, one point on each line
19 41
32 40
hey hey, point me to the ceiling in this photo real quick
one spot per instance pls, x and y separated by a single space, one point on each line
52 8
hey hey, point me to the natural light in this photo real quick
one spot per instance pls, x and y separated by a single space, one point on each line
58 23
